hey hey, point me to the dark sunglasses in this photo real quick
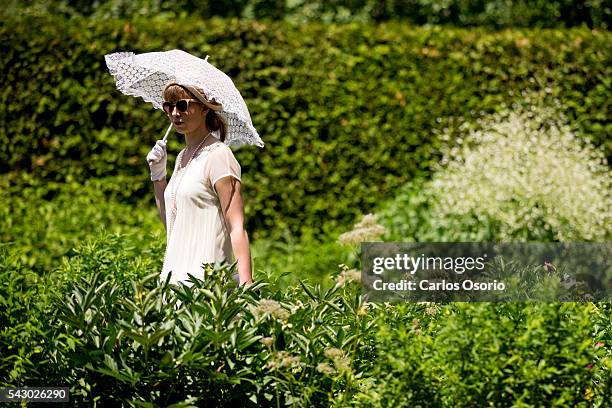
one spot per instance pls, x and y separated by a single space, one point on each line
182 105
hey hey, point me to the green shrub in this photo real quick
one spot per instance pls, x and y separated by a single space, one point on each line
290 259
488 354
207 343
348 112
27 297
106 327
45 220
518 174
23 302
517 13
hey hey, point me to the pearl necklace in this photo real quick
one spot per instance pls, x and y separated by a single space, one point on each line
181 170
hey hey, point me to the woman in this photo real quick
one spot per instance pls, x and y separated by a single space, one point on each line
201 206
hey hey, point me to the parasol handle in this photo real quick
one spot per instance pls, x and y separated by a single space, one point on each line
165 138
167 131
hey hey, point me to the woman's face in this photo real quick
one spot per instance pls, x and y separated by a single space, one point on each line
189 120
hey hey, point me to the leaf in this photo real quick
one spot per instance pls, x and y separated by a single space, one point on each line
307 290
334 306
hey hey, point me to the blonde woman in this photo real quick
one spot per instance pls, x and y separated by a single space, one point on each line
201 205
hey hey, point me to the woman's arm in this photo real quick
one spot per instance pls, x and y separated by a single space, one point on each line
228 189
160 187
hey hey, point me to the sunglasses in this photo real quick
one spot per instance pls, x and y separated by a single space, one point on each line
182 105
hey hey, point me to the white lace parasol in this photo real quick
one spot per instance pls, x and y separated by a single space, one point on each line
146 75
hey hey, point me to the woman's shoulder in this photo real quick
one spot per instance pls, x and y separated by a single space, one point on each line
221 149
218 152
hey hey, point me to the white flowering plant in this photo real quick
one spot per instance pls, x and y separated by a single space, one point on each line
366 230
520 174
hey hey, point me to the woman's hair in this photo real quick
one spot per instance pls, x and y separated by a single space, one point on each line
213 121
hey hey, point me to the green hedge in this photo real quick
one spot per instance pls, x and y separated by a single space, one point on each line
515 13
488 354
44 221
348 112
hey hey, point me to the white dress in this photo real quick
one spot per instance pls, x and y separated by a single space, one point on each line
195 227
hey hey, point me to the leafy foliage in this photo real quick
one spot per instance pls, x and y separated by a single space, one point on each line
80 302
144 342
337 142
507 354
519 174
46 220
204 342
518 13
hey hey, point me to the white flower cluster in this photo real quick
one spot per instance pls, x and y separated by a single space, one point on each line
526 169
348 275
364 230
342 363
272 308
267 341
283 359
326 369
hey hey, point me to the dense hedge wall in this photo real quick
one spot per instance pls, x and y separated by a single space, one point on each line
463 13
348 112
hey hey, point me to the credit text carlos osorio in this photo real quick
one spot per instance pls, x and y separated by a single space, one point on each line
406 285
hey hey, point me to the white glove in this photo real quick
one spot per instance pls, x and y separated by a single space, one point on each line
157 159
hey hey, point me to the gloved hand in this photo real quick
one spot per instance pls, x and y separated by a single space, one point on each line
157 159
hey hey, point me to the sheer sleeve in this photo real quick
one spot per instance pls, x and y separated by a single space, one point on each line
222 163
